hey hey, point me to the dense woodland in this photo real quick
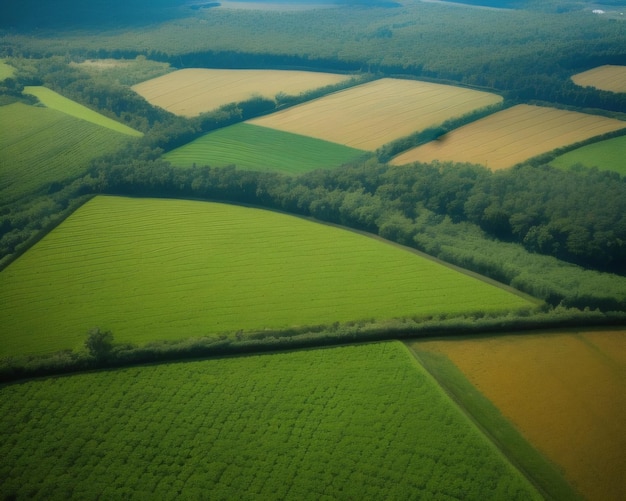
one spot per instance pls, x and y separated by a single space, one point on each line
557 235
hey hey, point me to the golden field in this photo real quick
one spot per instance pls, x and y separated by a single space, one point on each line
511 136
607 77
192 91
370 115
563 391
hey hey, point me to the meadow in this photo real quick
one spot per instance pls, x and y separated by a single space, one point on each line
6 70
123 71
511 136
372 114
563 391
607 77
353 422
260 148
41 146
151 269
605 155
56 101
192 91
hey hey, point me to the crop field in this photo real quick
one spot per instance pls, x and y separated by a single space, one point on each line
170 269
355 422
259 148
190 92
606 155
608 77
511 136
372 114
56 101
39 146
563 391
6 70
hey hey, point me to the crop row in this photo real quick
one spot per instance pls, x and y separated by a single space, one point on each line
359 421
192 91
169 269
511 136
607 77
372 114
40 146
260 148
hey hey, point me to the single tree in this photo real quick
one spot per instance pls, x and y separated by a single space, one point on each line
99 342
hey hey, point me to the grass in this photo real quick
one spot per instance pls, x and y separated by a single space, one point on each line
355 422
372 114
607 77
192 91
123 71
543 473
259 148
172 269
56 101
6 70
564 391
512 136
41 146
606 155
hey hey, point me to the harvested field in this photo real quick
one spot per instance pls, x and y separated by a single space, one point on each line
190 92
370 115
511 136
564 392
607 77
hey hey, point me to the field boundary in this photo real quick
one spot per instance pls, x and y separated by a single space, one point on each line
538 470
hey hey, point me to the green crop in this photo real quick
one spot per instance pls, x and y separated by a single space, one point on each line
56 101
606 155
40 146
151 269
355 422
260 148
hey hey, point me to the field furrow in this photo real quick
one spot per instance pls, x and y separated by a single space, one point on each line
190 92
607 77
370 115
511 136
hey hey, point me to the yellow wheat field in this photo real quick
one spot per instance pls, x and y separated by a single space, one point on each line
190 92
511 136
564 392
370 115
608 77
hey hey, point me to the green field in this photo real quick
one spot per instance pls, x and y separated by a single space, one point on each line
606 155
169 269
6 70
355 422
39 146
260 148
56 101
